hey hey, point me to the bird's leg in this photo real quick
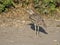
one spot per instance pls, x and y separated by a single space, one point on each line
35 29
38 30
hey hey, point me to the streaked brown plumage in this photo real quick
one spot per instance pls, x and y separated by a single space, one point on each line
36 19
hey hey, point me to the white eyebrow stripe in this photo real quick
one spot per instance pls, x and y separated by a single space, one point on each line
30 11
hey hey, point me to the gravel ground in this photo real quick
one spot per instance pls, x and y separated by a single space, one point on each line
18 32
14 30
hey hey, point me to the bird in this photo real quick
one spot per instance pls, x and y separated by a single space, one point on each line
36 19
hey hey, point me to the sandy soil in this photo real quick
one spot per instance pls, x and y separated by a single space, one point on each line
15 30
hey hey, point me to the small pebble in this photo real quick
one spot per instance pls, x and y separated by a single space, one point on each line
23 21
55 40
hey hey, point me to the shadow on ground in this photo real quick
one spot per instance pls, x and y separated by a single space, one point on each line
41 29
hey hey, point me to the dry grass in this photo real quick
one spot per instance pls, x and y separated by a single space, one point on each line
19 13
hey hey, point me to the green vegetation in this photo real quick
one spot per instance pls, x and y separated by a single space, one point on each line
42 6
5 3
46 6
2 7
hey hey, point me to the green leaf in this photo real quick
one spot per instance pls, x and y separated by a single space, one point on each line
1 7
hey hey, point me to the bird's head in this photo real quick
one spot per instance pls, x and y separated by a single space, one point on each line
30 11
